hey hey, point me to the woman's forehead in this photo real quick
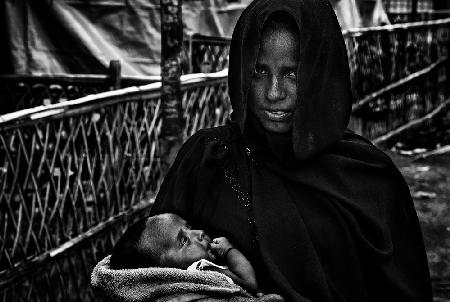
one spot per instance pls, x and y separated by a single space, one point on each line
280 36
280 44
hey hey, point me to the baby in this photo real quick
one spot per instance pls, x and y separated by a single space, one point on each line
167 240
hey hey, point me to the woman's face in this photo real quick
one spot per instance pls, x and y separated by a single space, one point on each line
273 92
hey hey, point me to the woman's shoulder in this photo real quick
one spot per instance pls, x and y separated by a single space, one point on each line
223 134
360 146
208 143
361 153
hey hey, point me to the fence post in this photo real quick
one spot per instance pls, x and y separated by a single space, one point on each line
414 12
114 71
171 47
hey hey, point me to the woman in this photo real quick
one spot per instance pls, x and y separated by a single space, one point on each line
319 211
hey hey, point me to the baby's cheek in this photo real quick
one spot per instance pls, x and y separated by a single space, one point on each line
212 256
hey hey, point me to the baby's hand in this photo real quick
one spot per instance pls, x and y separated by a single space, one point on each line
221 246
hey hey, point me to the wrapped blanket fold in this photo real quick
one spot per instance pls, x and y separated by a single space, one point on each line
168 284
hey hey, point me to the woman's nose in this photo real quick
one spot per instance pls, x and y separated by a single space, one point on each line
275 90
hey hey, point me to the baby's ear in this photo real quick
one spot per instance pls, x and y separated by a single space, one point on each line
164 260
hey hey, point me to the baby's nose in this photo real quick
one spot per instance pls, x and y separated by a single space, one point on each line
198 234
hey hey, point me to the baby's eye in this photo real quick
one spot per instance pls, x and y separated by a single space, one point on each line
183 241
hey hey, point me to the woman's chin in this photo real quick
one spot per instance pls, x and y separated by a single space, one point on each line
277 126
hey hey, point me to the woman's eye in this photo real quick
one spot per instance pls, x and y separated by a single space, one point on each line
291 75
259 71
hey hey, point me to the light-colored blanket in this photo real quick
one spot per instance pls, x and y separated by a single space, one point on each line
168 284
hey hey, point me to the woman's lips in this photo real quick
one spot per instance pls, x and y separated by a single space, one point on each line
277 116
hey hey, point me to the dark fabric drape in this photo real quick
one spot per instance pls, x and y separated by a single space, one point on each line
324 92
83 36
339 227
329 217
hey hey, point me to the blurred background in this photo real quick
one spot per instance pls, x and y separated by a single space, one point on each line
86 117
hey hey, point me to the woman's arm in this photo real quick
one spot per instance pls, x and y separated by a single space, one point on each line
191 175
240 269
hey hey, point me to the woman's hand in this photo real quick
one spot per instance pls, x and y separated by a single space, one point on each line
221 246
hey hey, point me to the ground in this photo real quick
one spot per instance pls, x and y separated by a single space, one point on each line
429 183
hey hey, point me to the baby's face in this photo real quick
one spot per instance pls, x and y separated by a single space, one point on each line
179 244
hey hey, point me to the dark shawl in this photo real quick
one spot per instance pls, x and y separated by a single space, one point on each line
328 216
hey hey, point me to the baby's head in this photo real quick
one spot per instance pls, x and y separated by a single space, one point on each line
164 240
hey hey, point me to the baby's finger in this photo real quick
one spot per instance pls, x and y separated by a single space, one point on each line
215 248
215 242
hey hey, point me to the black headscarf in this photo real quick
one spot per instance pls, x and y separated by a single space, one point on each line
321 180
324 94
333 217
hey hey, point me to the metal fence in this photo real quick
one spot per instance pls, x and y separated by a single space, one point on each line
74 173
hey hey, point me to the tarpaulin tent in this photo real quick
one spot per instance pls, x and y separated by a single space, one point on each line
83 36
410 10
406 6
360 13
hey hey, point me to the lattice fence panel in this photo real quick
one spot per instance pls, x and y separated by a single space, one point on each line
400 106
66 174
398 75
379 58
209 56
62 176
205 106
68 278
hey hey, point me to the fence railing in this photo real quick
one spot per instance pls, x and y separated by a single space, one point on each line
73 174
399 73
201 54
19 92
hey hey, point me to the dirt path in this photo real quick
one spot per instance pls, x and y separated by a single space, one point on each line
429 183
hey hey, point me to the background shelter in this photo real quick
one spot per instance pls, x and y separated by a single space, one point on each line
83 36
409 10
